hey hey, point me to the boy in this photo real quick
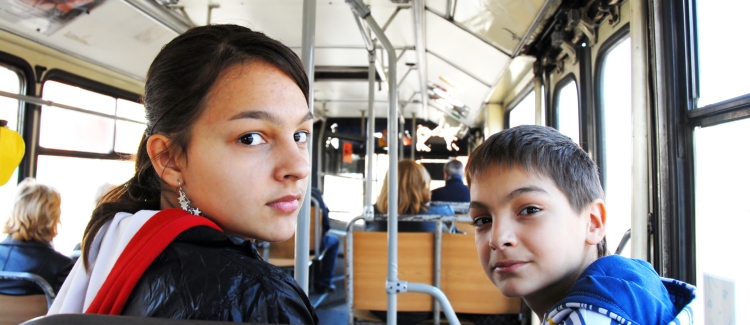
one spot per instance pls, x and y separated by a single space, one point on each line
537 206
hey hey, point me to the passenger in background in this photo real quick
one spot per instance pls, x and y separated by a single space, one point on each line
328 243
454 189
31 227
100 192
223 161
413 198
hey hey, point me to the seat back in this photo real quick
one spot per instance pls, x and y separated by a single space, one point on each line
15 310
415 264
281 254
463 280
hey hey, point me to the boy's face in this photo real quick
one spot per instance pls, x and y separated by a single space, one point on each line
530 241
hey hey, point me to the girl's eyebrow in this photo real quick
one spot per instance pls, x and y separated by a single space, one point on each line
266 116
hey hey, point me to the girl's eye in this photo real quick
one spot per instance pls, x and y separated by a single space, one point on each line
530 210
251 139
481 221
301 137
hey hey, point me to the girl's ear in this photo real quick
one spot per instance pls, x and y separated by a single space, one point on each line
164 160
597 220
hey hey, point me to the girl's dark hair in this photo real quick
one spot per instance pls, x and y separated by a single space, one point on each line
177 84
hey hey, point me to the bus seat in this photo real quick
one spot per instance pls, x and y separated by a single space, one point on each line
18 309
87 319
463 280
466 228
415 264
281 254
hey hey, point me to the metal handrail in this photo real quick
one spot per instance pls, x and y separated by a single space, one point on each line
49 293
623 242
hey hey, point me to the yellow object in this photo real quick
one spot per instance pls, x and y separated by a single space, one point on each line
12 148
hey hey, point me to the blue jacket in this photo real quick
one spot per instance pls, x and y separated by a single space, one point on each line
453 191
618 290
33 257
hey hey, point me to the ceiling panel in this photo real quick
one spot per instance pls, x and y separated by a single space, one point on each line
459 85
463 50
109 36
503 23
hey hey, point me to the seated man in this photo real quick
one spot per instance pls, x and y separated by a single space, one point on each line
454 189
540 225
328 243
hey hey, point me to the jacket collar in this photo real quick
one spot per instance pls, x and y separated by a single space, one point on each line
10 241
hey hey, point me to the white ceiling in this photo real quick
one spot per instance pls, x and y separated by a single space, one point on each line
117 36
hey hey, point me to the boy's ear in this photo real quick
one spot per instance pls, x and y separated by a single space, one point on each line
597 220
164 160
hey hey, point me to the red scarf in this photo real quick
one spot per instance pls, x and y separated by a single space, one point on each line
158 232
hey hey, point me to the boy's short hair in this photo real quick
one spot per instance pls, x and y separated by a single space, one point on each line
546 151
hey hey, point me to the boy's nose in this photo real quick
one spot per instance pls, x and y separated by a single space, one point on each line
502 237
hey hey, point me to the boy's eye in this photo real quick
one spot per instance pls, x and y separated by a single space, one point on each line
481 221
301 136
530 210
251 139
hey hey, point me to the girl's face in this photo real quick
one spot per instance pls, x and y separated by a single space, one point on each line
247 160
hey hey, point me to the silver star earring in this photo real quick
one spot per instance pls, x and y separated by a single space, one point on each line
185 202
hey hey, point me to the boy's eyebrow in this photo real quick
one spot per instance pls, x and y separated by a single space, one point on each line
510 196
261 115
523 190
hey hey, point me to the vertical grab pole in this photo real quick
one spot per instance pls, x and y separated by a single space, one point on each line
640 107
369 136
413 134
302 239
538 100
438 254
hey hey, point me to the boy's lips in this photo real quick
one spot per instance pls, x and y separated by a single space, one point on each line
507 266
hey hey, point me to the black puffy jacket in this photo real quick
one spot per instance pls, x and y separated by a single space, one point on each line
206 274
33 257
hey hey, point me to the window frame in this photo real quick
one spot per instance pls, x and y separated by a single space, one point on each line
25 116
616 39
528 89
65 77
559 85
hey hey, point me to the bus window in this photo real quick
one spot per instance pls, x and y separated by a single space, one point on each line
617 142
719 51
722 219
10 82
128 134
567 110
77 176
523 113
71 130
78 180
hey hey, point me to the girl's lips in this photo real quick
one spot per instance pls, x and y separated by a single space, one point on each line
508 266
286 204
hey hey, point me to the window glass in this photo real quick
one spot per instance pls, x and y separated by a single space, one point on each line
617 143
61 93
78 180
131 110
567 110
720 53
524 113
10 82
128 136
722 219
71 130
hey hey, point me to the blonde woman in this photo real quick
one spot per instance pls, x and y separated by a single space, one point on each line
31 227
413 198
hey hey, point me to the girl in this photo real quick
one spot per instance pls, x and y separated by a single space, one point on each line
223 161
